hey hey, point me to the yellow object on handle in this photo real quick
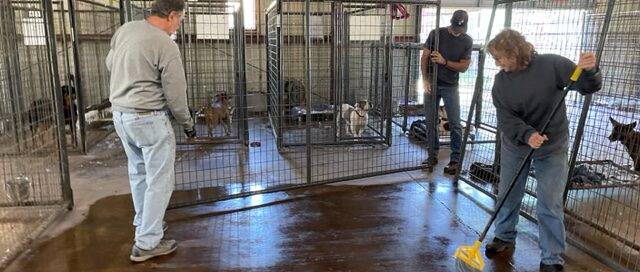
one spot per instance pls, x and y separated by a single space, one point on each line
576 74
470 255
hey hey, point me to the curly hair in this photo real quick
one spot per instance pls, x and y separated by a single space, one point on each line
511 44
162 8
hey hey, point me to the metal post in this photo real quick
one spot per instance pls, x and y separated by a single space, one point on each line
388 94
242 77
348 96
123 11
75 44
508 12
334 61
587 101
307 77
280 35
432 127
496 151
477 93
128 11
67 193
72 124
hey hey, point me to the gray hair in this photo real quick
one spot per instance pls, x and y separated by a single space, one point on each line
162 8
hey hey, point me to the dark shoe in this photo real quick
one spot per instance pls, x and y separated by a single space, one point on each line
451 168
551 267
431 161
163 248
497 246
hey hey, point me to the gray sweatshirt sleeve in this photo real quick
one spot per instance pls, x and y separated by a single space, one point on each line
514 128
589 81
174 85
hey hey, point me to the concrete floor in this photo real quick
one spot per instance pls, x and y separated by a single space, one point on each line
402 222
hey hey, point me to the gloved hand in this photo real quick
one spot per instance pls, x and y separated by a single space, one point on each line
191 132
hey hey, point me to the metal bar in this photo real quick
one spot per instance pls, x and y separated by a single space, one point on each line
242 75
509 1
67 193
210 140
432 126
334 61
307 79
508 14
280 35
73 28
72 108
123 11
496 151
339 143
94 3
291 187
477 93
347 95
388 95
304 13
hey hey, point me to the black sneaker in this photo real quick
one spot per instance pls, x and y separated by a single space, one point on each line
431 161
497 246
451 168
551 267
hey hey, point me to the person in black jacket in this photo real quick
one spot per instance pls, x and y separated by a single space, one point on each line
524 94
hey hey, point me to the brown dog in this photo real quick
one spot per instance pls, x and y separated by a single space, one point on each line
218 112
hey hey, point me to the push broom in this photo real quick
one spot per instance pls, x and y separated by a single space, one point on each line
468 258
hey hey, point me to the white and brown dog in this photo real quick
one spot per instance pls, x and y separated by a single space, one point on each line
356 117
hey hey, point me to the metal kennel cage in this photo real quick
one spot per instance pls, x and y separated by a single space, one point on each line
34 175
353 46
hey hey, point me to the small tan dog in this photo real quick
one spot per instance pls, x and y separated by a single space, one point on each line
216 112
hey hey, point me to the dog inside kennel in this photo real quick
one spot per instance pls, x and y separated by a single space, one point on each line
324 135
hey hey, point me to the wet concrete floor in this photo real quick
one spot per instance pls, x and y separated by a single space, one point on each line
411 226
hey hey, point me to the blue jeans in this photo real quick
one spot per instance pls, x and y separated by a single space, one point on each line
451 98
551 175
150 145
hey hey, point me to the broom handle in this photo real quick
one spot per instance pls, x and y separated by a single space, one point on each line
573 79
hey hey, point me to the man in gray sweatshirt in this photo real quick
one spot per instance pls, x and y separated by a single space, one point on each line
147 80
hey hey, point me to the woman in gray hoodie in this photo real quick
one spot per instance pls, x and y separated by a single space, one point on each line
524 94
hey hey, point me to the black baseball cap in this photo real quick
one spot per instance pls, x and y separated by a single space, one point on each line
459 21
